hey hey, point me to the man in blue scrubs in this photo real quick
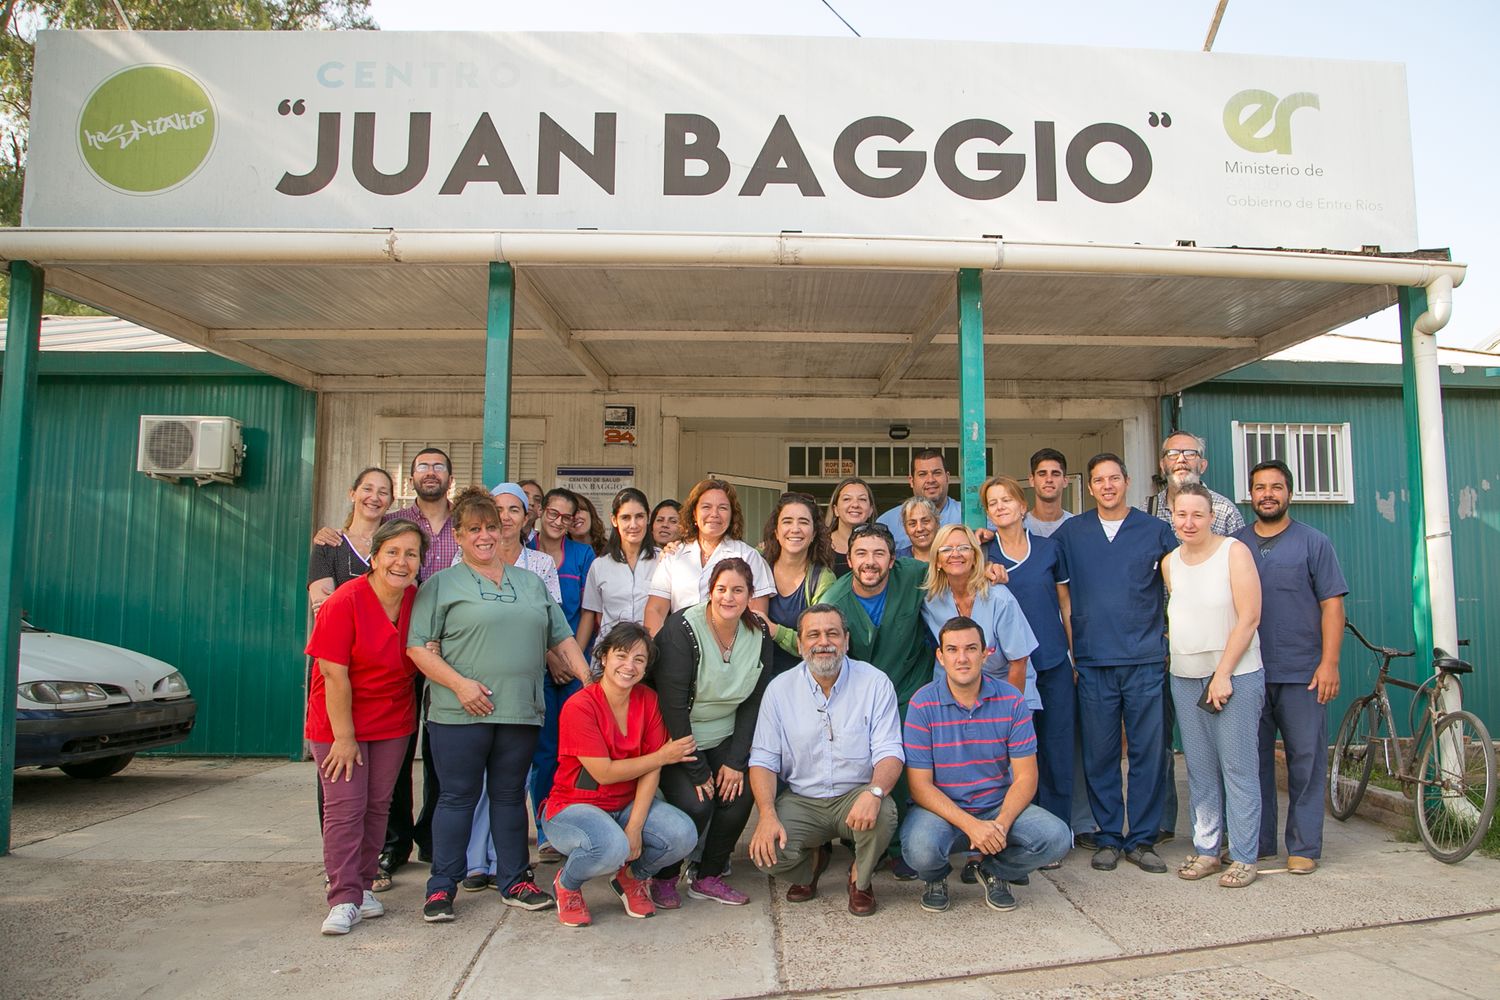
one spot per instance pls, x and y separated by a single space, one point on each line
1301 627
1113 556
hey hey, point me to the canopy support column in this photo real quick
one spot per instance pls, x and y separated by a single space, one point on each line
971 394
22 342
499 342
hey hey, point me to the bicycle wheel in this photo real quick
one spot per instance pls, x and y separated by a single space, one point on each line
1456 797
1353 757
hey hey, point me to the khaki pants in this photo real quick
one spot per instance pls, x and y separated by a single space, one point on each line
811 823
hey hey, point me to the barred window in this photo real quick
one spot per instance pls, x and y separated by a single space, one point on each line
870 461
1319 456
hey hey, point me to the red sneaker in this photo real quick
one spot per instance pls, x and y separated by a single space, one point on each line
634 892
572 911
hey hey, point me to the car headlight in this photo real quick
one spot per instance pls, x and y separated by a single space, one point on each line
172 684
61 692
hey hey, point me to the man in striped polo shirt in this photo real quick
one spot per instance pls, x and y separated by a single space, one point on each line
971 766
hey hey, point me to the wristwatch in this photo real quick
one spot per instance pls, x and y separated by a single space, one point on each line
876 791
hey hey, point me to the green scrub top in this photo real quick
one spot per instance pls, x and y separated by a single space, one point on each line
721 686
497 635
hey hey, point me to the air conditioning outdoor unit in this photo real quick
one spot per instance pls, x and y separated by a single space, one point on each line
204 449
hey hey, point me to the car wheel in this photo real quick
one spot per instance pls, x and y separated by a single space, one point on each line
99 767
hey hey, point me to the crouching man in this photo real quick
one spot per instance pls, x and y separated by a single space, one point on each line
971 766
829 729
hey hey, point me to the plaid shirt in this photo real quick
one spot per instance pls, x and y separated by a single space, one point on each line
443 548
1227 517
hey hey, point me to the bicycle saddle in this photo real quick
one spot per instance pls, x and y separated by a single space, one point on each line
1448 664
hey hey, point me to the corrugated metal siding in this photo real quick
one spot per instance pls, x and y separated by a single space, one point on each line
209 579
1373 536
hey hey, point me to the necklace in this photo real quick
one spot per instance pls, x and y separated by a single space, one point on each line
713 626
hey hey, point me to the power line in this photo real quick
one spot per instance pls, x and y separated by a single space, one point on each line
841 18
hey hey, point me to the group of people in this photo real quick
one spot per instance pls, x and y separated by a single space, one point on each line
907 685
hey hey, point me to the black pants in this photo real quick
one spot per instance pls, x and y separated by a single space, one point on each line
724 821
401 833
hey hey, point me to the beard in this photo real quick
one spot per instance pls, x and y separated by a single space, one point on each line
1183 478
428 490
1268 517
824 664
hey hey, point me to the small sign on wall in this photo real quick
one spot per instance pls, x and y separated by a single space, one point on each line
599 484
619 424
837 468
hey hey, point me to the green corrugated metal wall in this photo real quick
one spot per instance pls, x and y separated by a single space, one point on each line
1372 535
207 578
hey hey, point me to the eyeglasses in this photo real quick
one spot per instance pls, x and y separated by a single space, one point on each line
828 721
500 595
948 550
1182 453
430 467
556 515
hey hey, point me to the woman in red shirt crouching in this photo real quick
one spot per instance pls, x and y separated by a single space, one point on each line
361 712
603 812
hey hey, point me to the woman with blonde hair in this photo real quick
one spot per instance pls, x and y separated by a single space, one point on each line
1039 583
712 529
957 584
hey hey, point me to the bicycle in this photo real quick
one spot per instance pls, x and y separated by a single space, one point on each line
1454 781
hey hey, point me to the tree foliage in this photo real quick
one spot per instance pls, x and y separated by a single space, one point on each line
21 20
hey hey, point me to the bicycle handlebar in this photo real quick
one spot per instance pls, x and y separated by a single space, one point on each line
1386 651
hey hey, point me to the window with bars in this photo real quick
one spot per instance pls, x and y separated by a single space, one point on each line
468 462
870 461
1319 456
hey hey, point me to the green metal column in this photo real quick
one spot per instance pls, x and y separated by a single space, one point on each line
498 345
971 394
1412 303
22 337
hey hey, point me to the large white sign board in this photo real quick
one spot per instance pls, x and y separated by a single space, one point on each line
689 133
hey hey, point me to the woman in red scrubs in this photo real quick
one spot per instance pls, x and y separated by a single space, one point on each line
361 713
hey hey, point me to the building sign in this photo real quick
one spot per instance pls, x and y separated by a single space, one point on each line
599 484
732 134
619 424
837 468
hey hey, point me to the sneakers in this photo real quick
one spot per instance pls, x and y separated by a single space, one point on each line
371 907
970 875
525 895
715 888
634 892
664 894
996 895
341 919
476 883
439 908
572 911
1146 860
935 895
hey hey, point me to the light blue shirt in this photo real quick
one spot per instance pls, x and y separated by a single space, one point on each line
951 513
1006 633
825 747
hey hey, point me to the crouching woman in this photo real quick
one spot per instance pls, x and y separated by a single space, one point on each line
603 813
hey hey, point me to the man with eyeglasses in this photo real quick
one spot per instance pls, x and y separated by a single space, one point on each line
829 729
1184 459
573 560
881 599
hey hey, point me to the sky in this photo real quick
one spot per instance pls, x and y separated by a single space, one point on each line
1449 50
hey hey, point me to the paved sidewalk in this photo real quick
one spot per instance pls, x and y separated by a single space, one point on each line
218 892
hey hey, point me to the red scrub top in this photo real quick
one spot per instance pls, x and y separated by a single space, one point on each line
586 728
351 628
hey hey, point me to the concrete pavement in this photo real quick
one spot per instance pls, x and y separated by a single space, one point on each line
217 891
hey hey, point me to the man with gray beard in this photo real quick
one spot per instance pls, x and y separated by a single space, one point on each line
829 729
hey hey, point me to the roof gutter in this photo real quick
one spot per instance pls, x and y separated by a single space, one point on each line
52 247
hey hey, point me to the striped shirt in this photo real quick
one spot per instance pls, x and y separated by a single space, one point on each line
968 750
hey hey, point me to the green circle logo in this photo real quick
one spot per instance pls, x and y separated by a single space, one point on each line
147 129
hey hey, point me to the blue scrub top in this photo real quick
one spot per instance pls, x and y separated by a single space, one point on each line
1033 582
1006 633
1298 571
1118 602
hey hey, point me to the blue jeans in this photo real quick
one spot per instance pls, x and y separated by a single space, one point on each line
1036 838
1108 696
470 759
544 758
1223 747
595 841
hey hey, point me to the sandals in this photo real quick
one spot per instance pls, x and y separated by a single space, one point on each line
1238 875
382 881
1196 866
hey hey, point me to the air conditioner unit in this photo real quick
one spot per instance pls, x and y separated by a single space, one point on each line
205 449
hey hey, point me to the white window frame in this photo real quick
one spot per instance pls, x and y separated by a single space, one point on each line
894 477
1305 487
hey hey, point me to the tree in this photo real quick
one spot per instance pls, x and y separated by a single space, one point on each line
20 20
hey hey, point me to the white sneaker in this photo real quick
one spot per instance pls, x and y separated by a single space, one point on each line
372 907
341 919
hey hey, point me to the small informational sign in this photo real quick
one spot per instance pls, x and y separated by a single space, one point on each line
837 468
598 483
619 424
